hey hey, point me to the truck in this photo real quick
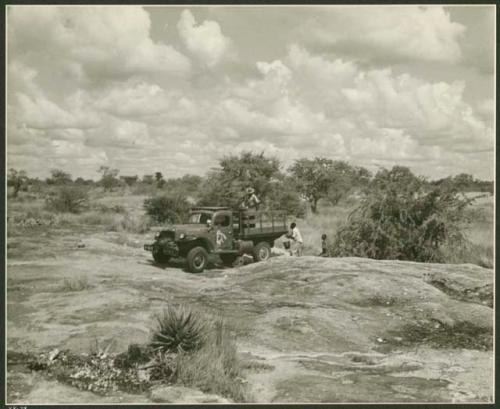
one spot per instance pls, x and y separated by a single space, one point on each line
228 233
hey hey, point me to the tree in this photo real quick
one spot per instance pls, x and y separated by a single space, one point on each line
147 179
159 180
16 179
166 208
59 177
226 185
129 180
68 199
403 218
109 177
322 178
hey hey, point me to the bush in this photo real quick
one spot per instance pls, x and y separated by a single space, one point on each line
215 367
165 208
401 219
178 329
68 199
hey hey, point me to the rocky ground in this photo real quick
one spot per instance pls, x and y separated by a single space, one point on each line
326 330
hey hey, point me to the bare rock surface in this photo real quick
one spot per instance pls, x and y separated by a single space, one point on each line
181 394
322 329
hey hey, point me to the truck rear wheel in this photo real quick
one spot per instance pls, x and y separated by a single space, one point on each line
158 255
197 259
262 251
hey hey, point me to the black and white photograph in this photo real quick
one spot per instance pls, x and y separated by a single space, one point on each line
234 204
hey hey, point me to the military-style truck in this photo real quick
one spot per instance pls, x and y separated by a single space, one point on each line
219 230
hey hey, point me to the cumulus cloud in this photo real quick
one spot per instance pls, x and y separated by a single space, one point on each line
101 40
205 41
93 88
389 33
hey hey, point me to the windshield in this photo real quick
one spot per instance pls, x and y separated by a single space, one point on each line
199 218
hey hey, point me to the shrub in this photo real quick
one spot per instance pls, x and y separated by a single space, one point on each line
165 208
76 284
401 219
178 329
215 367
68 199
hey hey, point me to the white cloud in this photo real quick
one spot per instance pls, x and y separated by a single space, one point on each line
395 32
93 89
102 40
205 41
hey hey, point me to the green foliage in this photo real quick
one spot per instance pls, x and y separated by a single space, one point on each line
178 329
215 367
160 182
16 179
166 208
401 218
109 178
466 183
324 178
59 177
68 199
283 196
226 185
129 180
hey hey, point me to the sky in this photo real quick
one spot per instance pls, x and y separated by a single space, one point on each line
174 89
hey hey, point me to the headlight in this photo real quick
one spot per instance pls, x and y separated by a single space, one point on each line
182 235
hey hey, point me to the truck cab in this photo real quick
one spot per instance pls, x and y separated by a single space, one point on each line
222 231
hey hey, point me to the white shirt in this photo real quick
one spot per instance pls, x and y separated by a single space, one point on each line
296 235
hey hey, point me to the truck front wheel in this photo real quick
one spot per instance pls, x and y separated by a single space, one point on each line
158 255
197 259
262 251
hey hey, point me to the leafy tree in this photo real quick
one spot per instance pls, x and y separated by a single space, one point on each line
129 180
323 178
17 179
59 177
402 218
109 178
148 179
166 208
160 182
283 196
68 199
226 185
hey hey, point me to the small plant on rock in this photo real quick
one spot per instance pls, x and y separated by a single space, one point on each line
178 329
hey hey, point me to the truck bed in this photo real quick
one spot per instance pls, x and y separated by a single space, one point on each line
250 224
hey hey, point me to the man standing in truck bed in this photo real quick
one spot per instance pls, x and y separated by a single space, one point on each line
251 200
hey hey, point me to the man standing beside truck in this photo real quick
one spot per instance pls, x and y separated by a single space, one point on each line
298 243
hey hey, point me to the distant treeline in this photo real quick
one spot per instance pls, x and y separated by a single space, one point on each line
306 181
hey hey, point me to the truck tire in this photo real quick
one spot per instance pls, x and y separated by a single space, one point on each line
228 259
262 251
158 255
197 259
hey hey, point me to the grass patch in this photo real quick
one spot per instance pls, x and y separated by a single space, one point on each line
438 335
215 367
75 284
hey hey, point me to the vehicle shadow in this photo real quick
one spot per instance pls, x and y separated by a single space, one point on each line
214 264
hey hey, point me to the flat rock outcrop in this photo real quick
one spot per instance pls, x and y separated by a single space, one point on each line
317 329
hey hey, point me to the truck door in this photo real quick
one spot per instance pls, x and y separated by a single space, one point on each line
223 231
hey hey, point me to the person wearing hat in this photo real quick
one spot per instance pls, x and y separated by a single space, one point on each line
251 200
